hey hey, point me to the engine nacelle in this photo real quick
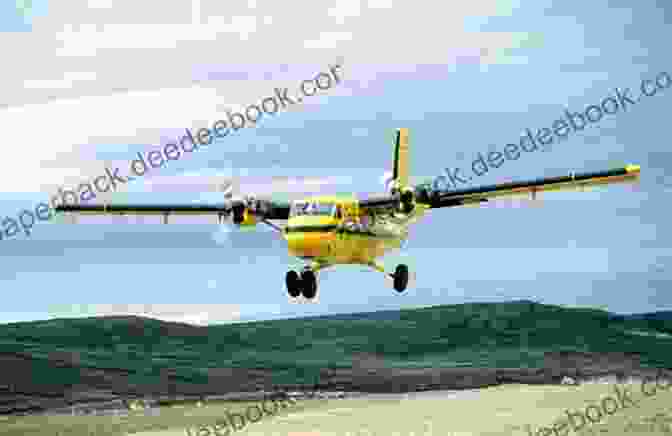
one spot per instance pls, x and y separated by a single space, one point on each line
242 216
407 201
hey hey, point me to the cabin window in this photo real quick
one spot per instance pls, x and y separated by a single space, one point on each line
313 208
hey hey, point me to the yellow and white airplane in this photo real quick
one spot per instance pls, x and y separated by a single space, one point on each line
325 231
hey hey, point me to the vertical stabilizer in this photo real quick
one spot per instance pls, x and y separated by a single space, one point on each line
400 168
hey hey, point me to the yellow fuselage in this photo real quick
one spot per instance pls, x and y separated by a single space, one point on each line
321 239
333 240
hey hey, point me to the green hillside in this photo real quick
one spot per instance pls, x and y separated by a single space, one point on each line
502 335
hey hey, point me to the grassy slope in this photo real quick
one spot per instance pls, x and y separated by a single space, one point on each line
481 335
175 418
509 411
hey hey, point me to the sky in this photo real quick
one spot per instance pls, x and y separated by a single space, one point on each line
89 84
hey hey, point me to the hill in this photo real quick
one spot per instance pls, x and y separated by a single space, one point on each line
51 363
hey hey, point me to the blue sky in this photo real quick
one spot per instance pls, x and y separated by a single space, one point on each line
469 79
17 15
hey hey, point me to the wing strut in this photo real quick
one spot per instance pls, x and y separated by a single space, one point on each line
273 226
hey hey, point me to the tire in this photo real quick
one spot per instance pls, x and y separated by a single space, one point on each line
293 282
401 278
309 281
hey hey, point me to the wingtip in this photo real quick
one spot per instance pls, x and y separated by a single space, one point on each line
632 169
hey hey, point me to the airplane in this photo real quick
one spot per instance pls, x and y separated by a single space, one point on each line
326 231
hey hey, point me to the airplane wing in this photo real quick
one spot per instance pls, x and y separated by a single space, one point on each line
424 194
270 200
242 211
571 182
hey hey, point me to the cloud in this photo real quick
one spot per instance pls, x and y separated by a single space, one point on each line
102 73
260 186
197 314
68 81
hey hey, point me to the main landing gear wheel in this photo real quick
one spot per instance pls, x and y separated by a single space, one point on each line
309 281
400 278
293 282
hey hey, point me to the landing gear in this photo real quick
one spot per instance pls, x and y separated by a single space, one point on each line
305 284
293 282
309 282
400 277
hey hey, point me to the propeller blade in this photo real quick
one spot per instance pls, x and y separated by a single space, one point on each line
228 190
386 180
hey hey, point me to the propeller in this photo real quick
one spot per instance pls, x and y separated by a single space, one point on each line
229 221
227 190
387 179
235 204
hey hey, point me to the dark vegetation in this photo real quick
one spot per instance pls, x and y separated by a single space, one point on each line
56 362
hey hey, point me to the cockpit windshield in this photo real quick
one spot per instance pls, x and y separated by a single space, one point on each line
313 208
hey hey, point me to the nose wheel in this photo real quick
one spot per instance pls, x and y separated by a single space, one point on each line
400 277
305 284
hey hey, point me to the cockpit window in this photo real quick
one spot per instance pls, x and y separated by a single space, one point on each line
313 209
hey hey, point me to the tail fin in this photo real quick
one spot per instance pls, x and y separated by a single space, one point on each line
400 168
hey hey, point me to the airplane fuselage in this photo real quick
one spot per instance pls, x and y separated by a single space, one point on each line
346 237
